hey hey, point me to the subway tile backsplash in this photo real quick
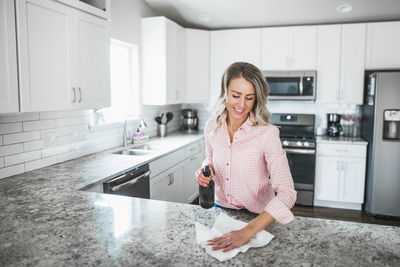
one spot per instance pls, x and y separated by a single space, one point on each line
35 140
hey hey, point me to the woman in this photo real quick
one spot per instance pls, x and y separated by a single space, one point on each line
245 155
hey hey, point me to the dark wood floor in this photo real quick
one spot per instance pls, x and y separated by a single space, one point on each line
343 215
338 214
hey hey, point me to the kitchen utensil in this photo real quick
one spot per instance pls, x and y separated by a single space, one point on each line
170 116
158 120
162 115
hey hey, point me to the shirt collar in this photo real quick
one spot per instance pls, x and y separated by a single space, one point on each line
251 119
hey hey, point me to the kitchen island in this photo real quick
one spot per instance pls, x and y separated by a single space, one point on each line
46 220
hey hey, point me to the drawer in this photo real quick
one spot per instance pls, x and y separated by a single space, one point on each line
166 162
192 149
342 150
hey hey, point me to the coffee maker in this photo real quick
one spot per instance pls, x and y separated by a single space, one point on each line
334 127
190 121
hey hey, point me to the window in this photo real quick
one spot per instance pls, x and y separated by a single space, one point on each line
124 68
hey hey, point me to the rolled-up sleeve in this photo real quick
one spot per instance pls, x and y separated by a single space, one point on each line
280 178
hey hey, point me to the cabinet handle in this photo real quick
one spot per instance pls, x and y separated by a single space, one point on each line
173 178
192 158
341 150
73 90
343 165
80 95
170 179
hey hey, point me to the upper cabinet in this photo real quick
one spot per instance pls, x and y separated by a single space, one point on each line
227 47
63 57
383 42
341 60
8 59
197 65
163 61
289 48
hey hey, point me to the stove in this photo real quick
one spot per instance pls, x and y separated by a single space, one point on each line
298 140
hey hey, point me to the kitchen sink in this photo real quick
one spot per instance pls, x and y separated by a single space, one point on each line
133 152
149 147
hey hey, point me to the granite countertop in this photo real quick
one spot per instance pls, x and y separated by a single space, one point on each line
341 140
46 220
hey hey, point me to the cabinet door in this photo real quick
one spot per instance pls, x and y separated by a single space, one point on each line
190 186
181 70
328 66
352 63
177 187
248 46
275 48
171 64
303 48
45 55
327 175
383 42
93 56
160 186
353 180
198 66
222 54
8 59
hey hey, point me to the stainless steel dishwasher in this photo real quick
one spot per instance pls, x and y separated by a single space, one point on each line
133 183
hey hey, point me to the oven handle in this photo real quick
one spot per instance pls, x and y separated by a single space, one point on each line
300 151
131 182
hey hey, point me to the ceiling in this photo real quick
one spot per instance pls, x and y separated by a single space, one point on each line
225 14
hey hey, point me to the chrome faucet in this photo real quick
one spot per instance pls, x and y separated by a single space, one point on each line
142 124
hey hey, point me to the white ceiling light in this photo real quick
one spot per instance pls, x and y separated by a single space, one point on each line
204 17
344 8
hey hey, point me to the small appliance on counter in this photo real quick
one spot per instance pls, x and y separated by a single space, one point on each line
334 127
189 120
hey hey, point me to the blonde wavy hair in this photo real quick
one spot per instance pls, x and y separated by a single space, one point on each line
254 76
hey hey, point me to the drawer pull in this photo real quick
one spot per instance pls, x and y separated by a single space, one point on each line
341 150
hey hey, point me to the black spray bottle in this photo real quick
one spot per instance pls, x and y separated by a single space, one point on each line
206 193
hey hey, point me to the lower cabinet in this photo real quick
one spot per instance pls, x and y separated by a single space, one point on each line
173 176
169 184
340 176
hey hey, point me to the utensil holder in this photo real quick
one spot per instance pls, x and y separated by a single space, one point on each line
162 130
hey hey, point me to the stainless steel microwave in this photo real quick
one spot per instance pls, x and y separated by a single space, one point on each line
291 85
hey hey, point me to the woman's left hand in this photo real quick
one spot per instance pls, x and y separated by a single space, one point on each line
231 240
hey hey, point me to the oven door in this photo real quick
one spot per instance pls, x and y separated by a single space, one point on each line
302 167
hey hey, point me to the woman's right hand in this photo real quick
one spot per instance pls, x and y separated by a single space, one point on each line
201 179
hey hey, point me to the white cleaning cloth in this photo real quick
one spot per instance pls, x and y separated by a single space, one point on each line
225 224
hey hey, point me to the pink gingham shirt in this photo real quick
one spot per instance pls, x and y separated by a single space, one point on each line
252 172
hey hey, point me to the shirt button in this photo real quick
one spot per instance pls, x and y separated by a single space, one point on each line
227 164
227 179
227 195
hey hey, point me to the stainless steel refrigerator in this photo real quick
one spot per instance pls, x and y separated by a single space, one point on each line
381 128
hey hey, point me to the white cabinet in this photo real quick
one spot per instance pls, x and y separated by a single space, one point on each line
163 61
63 57
168 185
289 48
227 47
341 59
197 66
172 176
8 59
191 187
340 176
352 65
383 42
93 77
222 54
